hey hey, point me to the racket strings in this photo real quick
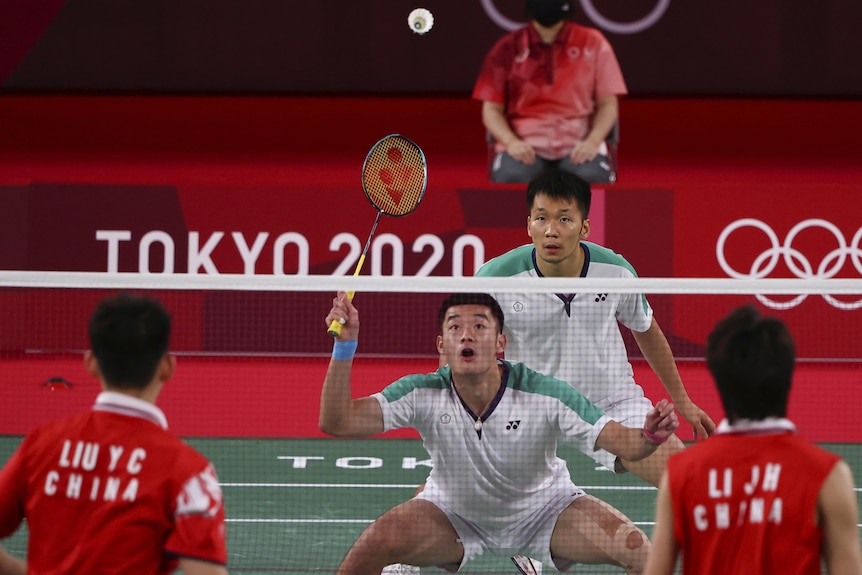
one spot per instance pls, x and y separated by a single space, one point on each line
394 176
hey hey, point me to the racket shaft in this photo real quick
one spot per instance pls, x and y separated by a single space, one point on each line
335 327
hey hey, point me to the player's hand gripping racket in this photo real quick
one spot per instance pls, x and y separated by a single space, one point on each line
394 177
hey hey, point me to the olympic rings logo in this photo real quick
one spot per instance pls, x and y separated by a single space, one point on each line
794 259
592 13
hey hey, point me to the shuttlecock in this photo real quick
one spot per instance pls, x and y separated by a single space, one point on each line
420 20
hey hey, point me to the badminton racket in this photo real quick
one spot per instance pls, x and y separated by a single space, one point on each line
394 177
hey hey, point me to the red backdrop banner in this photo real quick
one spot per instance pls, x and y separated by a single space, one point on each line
183 185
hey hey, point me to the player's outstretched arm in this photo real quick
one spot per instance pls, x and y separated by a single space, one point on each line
341 415
634 444
11 565
839 516
656 350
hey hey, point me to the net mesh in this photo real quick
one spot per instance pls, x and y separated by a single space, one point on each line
252 353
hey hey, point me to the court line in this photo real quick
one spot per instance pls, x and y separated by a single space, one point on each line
343 521
414 486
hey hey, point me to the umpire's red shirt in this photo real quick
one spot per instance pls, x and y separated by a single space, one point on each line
112 491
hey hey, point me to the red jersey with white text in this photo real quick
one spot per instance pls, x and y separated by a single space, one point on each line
112 491
745 501
549 91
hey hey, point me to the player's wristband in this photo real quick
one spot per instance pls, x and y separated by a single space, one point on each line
653 438
344 349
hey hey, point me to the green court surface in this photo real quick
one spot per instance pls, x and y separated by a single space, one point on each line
296 505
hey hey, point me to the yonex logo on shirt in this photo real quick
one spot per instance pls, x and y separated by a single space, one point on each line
513 424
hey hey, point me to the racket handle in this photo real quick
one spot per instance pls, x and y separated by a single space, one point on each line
335 327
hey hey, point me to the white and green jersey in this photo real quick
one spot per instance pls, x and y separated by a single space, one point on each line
574 337
499 469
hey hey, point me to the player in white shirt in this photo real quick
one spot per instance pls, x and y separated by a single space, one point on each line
492 430
576 337
566 335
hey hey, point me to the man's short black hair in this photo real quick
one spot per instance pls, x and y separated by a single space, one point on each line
129 335
751 358
472 299
561 185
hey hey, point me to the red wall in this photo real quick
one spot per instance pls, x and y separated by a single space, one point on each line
72 164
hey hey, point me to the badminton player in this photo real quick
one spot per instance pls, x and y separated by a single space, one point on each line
111 490
576 337
755 498
492 430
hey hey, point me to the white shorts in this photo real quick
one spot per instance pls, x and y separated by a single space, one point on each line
531 537
628 411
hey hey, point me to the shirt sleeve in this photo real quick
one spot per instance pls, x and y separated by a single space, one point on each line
199 519
397 401
578 419
634 312
389 416
609 76
492 79
11 500
580 433
409 401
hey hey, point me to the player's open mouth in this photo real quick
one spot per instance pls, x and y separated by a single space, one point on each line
466 353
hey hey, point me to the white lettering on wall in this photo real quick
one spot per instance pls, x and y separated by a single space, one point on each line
249 255
281 242
113 237
201 256
396 248
167 247
156 252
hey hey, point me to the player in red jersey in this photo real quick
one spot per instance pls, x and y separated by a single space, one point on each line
755 498
111 490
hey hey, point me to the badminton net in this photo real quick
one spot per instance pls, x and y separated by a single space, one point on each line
252 352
